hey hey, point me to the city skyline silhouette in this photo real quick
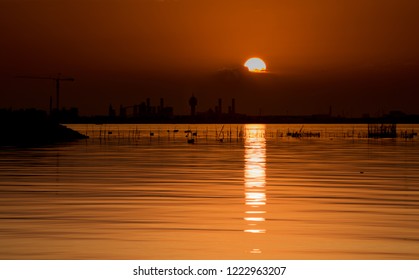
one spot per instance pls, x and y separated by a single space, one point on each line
357 56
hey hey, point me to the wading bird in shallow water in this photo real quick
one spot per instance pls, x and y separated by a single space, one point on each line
191 136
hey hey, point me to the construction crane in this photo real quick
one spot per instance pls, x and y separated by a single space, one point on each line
57 80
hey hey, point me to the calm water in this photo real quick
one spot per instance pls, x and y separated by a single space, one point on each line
124 194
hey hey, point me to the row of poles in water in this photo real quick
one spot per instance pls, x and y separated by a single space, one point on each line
191 135
222 134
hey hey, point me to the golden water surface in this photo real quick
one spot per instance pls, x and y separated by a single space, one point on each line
127 194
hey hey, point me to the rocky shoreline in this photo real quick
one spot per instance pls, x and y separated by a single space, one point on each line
38 134
25 128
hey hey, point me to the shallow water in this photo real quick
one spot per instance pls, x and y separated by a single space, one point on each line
129 195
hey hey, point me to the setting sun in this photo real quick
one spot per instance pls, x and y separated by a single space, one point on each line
255 64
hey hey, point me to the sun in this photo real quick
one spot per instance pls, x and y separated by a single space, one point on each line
255 64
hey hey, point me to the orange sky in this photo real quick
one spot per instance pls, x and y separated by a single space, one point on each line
343 53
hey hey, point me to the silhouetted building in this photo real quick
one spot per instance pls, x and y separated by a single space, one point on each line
160 109
111 112
148 102
145 111
232 108
192 103
122 112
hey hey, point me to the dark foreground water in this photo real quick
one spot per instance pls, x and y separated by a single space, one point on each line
124 194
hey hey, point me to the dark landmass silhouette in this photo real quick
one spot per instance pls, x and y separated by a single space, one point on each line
212 118
31 127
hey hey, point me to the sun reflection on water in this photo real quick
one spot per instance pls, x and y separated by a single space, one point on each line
255 180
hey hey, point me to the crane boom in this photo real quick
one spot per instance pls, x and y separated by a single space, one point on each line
57 80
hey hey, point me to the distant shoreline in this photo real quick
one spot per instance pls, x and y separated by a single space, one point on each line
243 119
